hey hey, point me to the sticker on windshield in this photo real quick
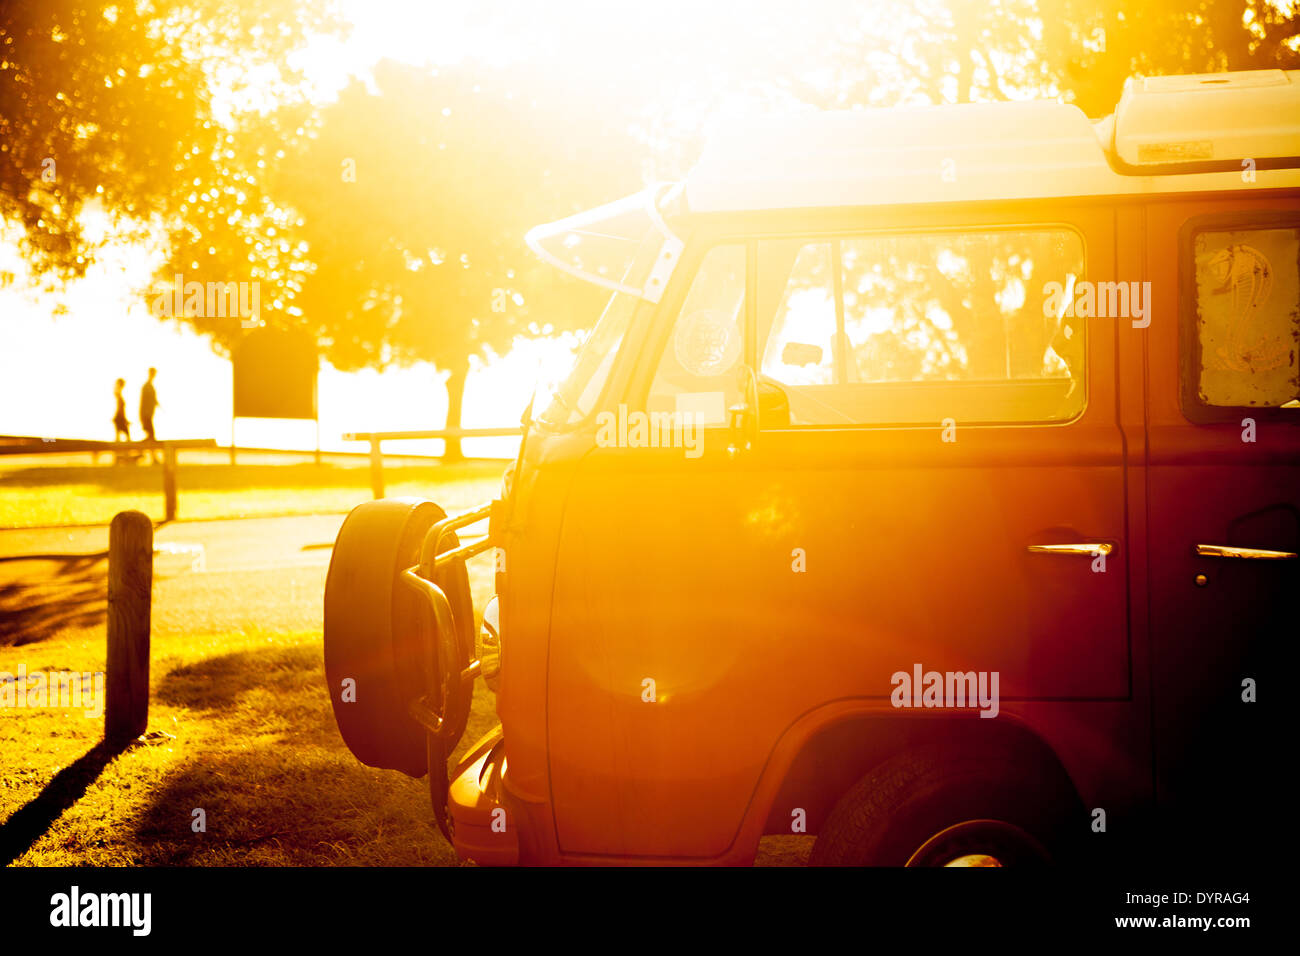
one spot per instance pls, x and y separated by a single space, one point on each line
707 342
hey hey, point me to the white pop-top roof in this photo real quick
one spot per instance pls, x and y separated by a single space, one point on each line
1208 117
1019 150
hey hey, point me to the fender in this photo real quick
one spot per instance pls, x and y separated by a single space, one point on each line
800 735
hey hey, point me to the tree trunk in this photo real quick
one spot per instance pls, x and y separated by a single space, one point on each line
455 398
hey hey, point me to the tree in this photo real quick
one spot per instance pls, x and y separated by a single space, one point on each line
1096 46
959 51
414 197
132 106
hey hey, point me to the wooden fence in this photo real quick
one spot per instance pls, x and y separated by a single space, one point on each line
377 438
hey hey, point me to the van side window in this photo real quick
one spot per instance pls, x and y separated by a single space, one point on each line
913 329
700 373
1247 321
800 347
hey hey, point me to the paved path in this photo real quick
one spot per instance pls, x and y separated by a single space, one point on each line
235 545
210 576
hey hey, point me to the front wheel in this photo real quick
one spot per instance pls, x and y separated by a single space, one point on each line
950 806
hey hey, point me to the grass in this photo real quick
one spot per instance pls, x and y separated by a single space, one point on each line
252 736
40 492
253 744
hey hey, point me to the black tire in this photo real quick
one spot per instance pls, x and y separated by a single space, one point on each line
939 804
372 632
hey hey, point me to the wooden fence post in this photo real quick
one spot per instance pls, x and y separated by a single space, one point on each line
169 481
376 468
130 599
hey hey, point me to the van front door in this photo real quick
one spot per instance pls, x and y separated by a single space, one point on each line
943 490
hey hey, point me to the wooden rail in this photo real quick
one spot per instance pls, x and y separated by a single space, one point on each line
34 445
377 454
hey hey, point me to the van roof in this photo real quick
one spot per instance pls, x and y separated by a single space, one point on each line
1168 134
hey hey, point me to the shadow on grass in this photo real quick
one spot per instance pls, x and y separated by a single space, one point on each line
278 805
46 600
279 786
219 683
30 822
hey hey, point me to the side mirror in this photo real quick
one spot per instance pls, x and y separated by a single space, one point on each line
742 425
742 417
765 405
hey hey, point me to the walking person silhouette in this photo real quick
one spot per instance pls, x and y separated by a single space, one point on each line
121 427
148 404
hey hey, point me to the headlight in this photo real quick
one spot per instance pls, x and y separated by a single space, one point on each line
489 645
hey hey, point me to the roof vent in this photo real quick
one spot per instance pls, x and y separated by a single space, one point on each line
1209 121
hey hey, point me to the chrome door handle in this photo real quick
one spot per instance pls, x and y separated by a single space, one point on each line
1089 548
1254 554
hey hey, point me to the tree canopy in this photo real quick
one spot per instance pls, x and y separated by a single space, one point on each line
133 107
415 196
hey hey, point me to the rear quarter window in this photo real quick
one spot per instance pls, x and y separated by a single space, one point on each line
1241 323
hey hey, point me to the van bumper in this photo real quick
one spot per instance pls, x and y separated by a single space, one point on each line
484 831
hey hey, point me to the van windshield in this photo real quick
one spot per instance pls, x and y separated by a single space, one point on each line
626 246
573 398
602 245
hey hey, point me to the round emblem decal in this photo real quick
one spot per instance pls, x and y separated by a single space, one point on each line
707 342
